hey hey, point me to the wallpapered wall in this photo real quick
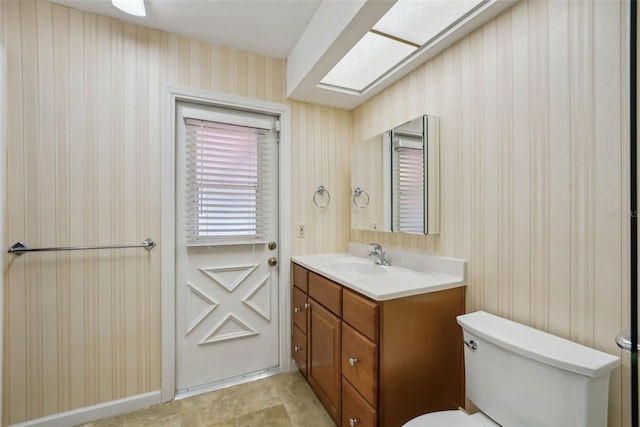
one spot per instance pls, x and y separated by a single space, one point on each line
534 168
534 172
83 167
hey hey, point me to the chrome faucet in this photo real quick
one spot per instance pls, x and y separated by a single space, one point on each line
378 253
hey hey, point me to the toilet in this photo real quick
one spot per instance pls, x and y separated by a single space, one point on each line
519 376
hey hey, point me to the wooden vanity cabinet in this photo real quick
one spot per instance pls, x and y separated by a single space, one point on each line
382 363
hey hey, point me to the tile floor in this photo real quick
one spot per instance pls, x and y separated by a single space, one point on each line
279 401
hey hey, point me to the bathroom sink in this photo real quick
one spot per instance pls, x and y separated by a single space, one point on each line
364 267
410 273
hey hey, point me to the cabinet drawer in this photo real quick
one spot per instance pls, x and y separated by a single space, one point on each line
360 363
299 343
300 277
299 303
361 313
355 410
326 293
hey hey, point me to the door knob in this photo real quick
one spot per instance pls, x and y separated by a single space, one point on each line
273 261
297 348
297 309
353 422
353 361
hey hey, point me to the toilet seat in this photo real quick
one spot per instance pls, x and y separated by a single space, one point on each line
455 418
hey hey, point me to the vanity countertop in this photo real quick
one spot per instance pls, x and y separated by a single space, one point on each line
409 273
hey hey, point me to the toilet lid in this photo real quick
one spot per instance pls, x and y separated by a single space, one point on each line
454 418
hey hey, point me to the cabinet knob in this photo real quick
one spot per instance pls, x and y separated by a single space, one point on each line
353 421
306 305
297 348
353 361
297 309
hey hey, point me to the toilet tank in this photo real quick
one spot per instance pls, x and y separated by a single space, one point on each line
521 376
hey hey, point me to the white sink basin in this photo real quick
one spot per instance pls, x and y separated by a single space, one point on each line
364 267
410 273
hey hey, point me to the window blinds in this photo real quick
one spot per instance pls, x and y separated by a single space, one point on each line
408 184
227 168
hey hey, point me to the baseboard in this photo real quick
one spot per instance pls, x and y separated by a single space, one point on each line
95 412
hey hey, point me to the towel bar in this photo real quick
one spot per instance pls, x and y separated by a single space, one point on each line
19 248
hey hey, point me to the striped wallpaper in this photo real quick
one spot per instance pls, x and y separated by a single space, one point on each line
533 122
83 167
534 166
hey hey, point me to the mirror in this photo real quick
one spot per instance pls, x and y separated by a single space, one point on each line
395 179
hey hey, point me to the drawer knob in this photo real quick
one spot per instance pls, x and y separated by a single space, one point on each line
297 348
353 361
353 421
297 309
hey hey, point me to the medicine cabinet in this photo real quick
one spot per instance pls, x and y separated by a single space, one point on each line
395 182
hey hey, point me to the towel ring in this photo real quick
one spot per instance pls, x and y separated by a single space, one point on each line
359 192
321 191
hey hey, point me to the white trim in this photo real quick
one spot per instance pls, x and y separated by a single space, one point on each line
3 171
95 412
172 95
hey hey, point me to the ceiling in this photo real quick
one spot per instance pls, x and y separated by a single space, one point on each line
267 27
312 35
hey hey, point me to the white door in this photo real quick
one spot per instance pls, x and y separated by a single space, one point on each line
227 317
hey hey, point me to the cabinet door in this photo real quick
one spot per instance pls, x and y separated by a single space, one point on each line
325 337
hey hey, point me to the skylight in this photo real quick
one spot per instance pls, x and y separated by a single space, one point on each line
407 27
367 61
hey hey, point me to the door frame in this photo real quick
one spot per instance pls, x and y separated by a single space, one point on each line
3 191
172 95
